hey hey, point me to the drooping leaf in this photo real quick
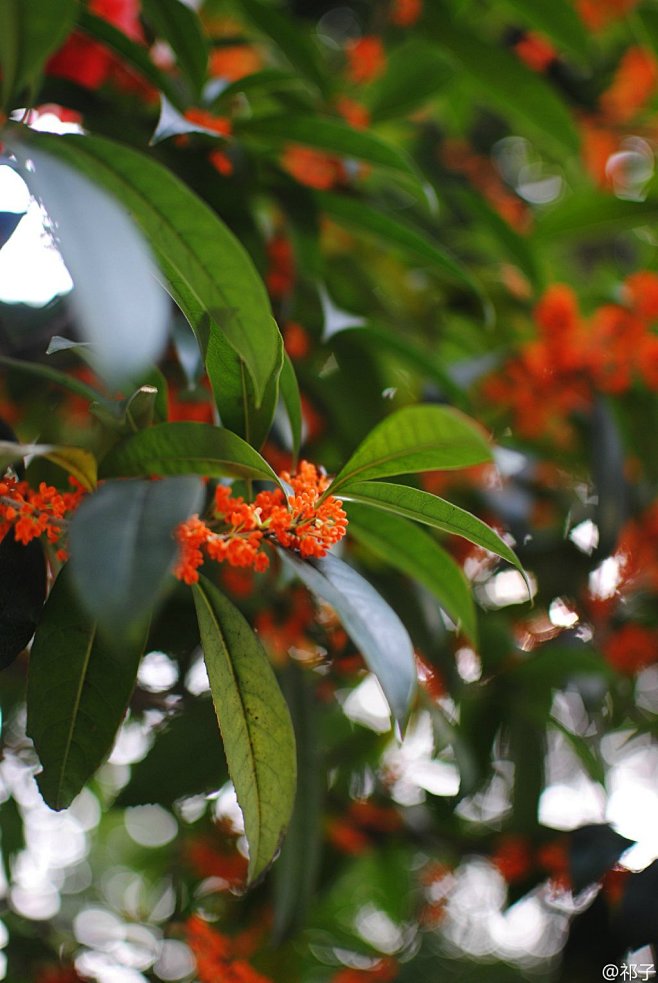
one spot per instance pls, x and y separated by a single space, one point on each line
359 216
77 694
406 547
372 625
415 71
335 137
186 759
207 270
412 503
505 82
186 448
178 24
62 379
29 33
122 548
558 19
259 740
287 36
118 303
234 392
292 402
415 438
296 871
22 594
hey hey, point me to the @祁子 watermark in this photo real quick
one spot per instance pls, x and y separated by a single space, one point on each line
629 971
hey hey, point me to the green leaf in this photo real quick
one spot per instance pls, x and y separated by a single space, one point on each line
412 503
292 402
296 871
357 215
268 79
117 302
52 375
77 694
128 51
336 138
594 215
23 583
415 71
415 438
208 271
406 547
259 740
290 40
78 462
234 392
556 18
29 34
178 24
372 625
501 79
186 759
122 548
186 448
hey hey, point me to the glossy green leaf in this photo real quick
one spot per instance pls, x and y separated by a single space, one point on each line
29 33
288 37
412 503
234 392
122 548
358 216
373 626
292 402
594 215
558 19
186 758
23 582
117 302
505 82
207 270
415 438
415 71
178 24
133 54
77 694
404 546
296 870
259 740
186 448
335 137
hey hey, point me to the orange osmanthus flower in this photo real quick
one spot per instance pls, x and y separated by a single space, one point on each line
405 13
216 958
314 168
238 530
87 62
632 87
631 648
366 59
33 513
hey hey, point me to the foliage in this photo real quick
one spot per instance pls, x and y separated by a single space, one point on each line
328 505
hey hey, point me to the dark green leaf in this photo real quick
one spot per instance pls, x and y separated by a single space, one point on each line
415 71
406 547
292 402
52 375
595 215
178 24
29 33
186 448
259 740
372 625
22 593
594 849
358 215
501 79
128 51
208 271
415 438
268 79
234 392
336 138
290 40
122 548
78 690
186 759
296 871
556 18
420 506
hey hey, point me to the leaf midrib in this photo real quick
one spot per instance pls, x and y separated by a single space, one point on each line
340 480
68 744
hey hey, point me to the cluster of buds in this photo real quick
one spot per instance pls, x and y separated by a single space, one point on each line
237 531
32 513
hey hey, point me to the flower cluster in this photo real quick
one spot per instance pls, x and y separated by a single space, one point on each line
216 954
516 858
33 513
557 373
237 530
